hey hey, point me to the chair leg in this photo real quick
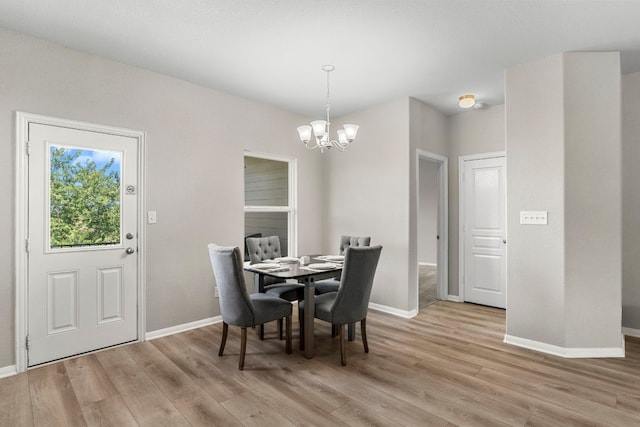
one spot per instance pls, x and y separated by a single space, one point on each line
225 329
334 331
343 352
243 348
288 332
280 331
363 332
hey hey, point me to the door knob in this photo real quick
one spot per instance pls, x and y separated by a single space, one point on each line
130 251
129 236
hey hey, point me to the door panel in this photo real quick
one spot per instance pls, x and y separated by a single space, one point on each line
82 286
110 294
484 232
62 301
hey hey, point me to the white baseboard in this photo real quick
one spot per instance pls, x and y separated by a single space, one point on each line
454 298
7 371
631 332
394 311
427 264
566 352
182 328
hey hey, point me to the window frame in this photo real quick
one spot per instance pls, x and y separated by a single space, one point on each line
291 208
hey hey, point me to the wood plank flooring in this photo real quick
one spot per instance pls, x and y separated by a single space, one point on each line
447 366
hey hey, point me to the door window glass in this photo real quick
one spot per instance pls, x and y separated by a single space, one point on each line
84 197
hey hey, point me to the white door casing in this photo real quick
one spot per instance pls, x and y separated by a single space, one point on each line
483 207
79 298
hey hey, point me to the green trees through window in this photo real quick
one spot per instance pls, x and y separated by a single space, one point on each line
84 197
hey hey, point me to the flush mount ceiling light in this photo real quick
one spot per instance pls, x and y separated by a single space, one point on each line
466 101
321 128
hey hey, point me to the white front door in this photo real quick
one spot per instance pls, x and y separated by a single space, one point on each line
485 264
82 245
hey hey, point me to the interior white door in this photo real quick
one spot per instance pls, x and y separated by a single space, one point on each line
82 246
484 230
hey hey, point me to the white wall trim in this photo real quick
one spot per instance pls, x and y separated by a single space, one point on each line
8 371
574 352
182 328
631 332
461 216
443 220
454 298
427 264
21 231
391 310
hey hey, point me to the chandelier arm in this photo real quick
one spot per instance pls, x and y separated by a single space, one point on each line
339 145
312 147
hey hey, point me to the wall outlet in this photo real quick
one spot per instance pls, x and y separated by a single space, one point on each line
534 217
152 217
215 292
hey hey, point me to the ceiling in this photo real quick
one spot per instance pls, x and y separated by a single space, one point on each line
272 51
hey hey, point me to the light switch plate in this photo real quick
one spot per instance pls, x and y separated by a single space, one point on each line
534 217
152 218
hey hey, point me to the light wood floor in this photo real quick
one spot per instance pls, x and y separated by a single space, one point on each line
448 366
427 285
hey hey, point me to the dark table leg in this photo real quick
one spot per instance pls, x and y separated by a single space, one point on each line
309 313
260 288
352 331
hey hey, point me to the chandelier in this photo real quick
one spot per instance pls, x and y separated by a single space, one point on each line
321 128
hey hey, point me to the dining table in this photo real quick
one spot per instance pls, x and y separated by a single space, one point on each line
318 267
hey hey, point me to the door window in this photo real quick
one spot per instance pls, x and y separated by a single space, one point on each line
84 197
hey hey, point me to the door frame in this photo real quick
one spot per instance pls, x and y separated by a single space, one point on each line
443 222
21 197
461 215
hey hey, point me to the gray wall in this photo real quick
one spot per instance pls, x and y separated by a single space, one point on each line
563 156
535 177
593 186
631 201
367 194
196 139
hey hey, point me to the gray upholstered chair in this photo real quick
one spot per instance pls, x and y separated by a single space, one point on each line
237 307
331 285
350 303
265 248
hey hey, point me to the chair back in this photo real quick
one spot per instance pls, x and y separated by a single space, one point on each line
235 305
353 241
261 248
352 301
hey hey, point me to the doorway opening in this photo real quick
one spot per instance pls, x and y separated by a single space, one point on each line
432 223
